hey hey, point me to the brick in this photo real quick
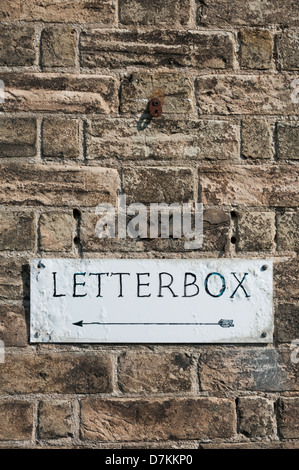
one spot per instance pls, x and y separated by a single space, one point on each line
288 50
74 186
115 49
85 11
256 417
59 93
17 230
153 184
256 49
257 139
155 13
16 420
255 231
13 329
287 323
17 137
157 419
247 369
288 418
286 284
56 373
14 279
17 46
288 140
245 94
58 47
163 138
55 419
224 12
154 373
60 138
57 231
216 229
287 231
175 89
263 185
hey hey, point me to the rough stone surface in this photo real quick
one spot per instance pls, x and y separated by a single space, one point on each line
60 138
14 278
288 50
255 230
58 47
288 140
163 138
287 323
16 420
256 417
17 46
17 230
56 373
288 418
13 329
55 419
57 231
159 419
155 13
151 373
17 137
286 284
257 139
256 49
55 92
35 185
156 49
287 231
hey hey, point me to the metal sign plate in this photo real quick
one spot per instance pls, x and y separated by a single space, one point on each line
151 301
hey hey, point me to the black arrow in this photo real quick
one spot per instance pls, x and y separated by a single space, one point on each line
222 323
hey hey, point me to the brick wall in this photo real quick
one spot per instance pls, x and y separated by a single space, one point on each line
78 76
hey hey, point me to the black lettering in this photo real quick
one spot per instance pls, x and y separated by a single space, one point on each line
54 282
99 281
161 286
78 284
239 285
120 281
207 285
139 284
193 283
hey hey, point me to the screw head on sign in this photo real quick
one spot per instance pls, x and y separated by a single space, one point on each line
155 107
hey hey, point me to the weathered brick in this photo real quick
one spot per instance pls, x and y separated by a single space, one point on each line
58 47
257 139
288 140
265 185
17 230
17 46
57 185
117 49
287 323
155 373
57 231
13 330
176 90
245 94
256 49
56 373
287 231
216 229
288 417
14 279
163 138
17 137
247 369
286 284
255 230
288 50
79 11
256 417
55 419
155 13
156 420
153 184
60 138
59 93
16 420
258 12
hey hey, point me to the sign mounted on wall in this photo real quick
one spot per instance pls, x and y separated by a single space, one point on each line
151 301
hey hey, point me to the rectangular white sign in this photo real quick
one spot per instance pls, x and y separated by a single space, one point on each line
151 301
